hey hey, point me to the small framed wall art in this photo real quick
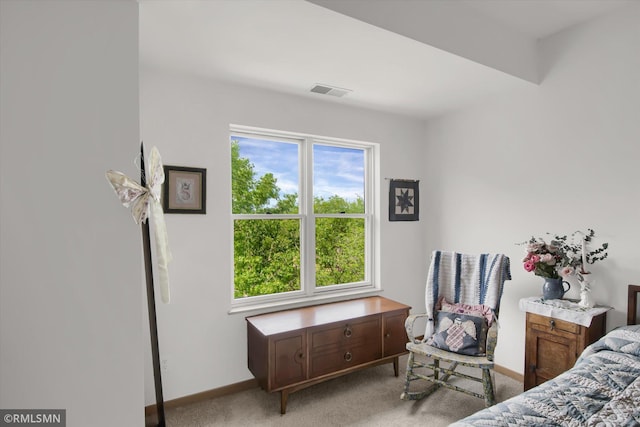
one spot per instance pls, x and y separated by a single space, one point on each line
403 200
184 190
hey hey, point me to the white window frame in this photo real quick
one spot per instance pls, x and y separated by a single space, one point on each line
309 293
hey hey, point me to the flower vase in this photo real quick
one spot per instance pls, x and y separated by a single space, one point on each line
553 288
585 292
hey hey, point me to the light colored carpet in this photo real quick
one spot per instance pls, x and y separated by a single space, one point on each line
367 398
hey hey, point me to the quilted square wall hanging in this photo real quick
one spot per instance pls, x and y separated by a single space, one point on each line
403 200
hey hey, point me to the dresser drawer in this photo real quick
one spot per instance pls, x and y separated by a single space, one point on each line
324 362
342 335
550 324
342 345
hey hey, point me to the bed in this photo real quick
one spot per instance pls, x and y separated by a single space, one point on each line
602 388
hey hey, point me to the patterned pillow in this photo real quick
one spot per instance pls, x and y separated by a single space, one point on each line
460 333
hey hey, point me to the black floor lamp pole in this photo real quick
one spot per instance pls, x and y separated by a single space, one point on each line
151 304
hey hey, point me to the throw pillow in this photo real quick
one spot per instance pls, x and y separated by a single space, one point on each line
460 333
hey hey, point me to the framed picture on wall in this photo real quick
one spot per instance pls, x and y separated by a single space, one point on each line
403 200
184 190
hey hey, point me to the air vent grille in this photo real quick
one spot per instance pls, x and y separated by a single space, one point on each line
329 90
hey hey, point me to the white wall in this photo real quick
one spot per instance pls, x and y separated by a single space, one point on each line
558 158
70 255
188 119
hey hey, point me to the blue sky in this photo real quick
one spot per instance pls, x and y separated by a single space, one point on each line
337 170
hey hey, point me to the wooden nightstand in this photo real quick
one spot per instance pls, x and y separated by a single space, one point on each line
554 344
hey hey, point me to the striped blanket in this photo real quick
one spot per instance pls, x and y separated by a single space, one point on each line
467 279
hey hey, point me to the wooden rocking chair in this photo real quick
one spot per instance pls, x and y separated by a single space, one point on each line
460 281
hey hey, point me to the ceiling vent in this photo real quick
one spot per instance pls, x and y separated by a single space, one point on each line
330 90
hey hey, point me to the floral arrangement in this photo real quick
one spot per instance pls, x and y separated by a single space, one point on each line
562 256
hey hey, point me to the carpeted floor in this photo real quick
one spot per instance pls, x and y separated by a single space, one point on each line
367 398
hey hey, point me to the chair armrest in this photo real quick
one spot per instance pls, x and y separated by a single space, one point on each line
408 326
492 340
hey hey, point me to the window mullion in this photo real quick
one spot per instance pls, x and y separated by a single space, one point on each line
309 222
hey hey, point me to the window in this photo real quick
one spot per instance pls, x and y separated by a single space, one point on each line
303 216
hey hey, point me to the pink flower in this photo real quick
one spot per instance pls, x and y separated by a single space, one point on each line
567 271
529 266
535 258
548 259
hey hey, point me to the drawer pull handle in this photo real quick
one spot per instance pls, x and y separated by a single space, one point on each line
533 368
348 356
348 332
552 323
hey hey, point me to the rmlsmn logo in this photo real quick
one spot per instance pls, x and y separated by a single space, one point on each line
32 417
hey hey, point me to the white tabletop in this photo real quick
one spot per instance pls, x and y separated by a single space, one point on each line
562 309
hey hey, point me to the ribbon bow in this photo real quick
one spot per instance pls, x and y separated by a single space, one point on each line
145 200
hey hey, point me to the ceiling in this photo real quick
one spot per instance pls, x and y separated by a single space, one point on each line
542 18
291 45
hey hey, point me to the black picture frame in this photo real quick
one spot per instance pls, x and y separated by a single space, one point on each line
184 190
404 200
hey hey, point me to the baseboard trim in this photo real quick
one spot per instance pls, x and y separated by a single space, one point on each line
205 395
509 373
249 384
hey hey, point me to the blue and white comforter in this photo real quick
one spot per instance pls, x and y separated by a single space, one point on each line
602 389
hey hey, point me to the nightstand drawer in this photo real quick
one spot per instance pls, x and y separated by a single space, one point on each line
550 324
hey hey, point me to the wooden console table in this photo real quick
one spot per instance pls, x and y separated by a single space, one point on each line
293 349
